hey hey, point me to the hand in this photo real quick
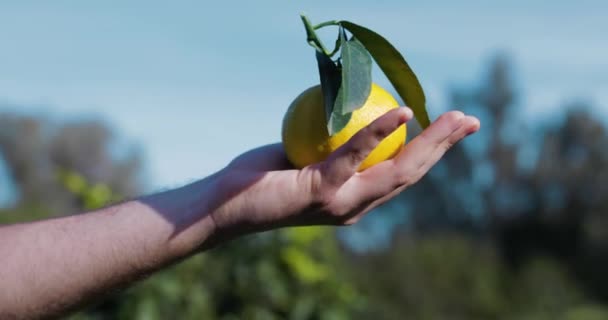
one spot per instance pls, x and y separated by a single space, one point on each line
260 190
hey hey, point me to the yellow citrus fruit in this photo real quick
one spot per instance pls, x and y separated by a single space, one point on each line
305 137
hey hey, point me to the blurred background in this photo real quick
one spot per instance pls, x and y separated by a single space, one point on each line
109 100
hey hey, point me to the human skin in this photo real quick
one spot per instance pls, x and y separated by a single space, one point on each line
54 266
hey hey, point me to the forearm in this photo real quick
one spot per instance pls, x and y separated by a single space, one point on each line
53 265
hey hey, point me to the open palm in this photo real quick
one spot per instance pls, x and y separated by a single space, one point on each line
260 190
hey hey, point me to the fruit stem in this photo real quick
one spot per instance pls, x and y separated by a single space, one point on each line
327 23
311 35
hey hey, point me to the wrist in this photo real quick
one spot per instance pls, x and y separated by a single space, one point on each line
188 226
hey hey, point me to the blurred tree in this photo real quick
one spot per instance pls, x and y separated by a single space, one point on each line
511 224
454 276
37 150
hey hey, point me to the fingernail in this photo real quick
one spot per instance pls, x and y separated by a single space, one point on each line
408 112
475 127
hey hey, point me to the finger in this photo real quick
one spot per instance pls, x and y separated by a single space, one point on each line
418 157
388 178
345 161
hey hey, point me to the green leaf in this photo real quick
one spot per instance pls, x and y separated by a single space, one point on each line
331 78
356 76
337 120
356 83
395 68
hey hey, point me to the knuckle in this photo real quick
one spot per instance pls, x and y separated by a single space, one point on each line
365 141
378 131
317 185
356 154
323 195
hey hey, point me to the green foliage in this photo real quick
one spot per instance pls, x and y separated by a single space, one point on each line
92 196
355 86
356 76
396 69
452 276
24 213
289 274
331 78
344 94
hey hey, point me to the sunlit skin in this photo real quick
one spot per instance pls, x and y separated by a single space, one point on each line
54 266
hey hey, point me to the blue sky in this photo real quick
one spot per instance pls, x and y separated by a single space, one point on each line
195 83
